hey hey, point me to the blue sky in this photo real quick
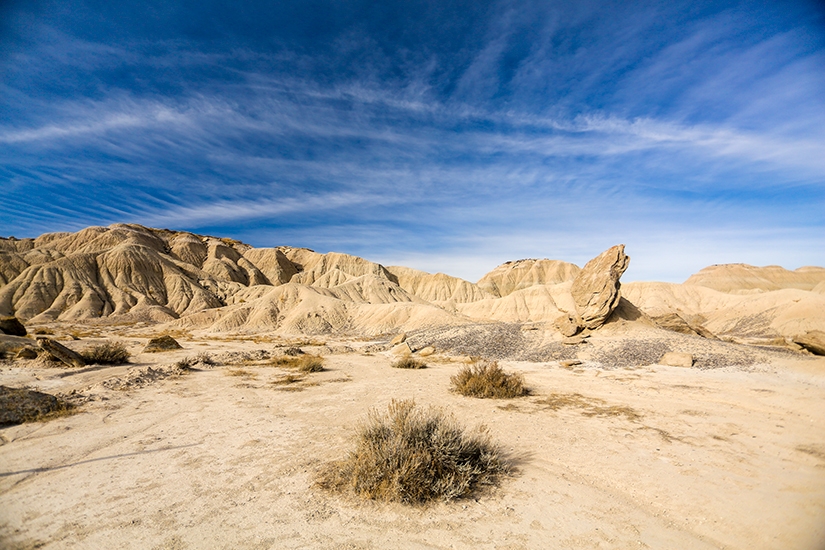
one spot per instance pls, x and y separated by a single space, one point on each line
445 135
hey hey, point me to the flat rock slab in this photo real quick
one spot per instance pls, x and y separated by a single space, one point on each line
400 338
61 352
676 359
18 405
813 341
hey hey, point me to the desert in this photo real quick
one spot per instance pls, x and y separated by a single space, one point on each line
168 405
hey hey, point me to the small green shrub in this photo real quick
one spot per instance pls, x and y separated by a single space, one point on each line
108 353
409 363
414 455
485 379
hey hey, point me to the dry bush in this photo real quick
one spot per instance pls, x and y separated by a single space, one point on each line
201 359
303 363
485 379
409 363
414 455
107 353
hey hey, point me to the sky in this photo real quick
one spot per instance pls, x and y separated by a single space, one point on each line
448 136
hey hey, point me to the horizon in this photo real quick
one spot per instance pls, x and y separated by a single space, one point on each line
444 136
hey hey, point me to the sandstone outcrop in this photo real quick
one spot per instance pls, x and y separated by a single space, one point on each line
512 276
162 343
596 288
743 278
12 326
813 341
60 352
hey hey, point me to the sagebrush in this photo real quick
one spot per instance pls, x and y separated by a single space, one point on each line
107 353
486 379
414 455
303 363
409 363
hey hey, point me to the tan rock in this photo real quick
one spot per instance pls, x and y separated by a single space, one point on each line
12 326
596 287
813 341
574 340
569 363
569 325
677 359
399 338
427 351
162 343
401 349
61 353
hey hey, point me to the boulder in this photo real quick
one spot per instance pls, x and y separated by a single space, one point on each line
398 339
676 359
574 340
568 324
595 289
61 353
426 352
401 349
813 341
12 326
19 405
162 343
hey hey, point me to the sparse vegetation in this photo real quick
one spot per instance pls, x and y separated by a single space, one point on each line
589 406
409 363
485 379
108 353
415 455
44 331
303 363
241 372
202 358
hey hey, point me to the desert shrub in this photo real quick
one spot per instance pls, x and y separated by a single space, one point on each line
108 353
485 379
414 455
44 331
202 359
409 363
303 363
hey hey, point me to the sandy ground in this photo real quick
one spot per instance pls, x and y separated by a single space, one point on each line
645 457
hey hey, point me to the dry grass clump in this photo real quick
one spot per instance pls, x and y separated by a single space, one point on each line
108 353
485 379
201 359
409 363
415 455
303 363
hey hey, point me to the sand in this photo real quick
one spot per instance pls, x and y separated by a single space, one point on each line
603 457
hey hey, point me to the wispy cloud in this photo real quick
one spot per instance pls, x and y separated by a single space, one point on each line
541 123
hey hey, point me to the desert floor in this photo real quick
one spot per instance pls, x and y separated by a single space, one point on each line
221 457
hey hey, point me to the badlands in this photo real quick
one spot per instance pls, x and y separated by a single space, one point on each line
658 415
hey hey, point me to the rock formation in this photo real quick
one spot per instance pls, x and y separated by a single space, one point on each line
596 288
512 276
127 273
60 352
12 326
813 341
